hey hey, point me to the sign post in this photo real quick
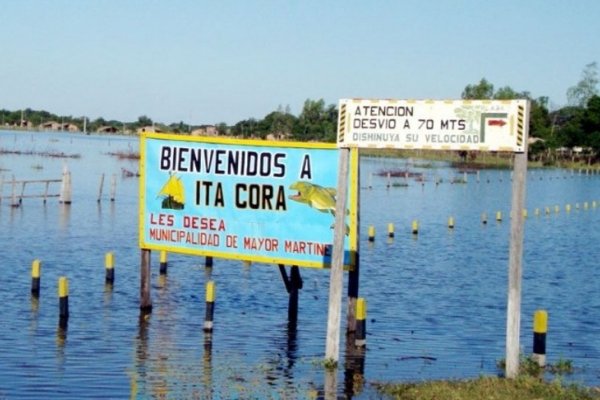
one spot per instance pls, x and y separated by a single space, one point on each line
466 125
332 347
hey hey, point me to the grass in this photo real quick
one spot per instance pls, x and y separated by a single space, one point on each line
529 385
523 388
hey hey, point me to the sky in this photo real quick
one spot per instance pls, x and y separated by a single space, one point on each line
207 62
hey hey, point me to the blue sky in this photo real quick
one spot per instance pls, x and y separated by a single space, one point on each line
205 62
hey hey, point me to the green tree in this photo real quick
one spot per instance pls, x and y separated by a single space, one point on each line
222 128
587 87
143 120
507 93
316 122
590 123
245 128
481 91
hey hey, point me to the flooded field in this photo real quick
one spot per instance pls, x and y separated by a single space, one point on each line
436 300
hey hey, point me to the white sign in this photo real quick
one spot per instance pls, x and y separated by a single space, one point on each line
487 125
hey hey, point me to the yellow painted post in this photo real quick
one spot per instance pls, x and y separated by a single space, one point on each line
568 208
63 297
585 205
499 216
415 227
35 277
210 306
547 210
109 263
361 322
484 218
390 230
556 209
371 233
537 212
163 262
451 222
540 328
525 213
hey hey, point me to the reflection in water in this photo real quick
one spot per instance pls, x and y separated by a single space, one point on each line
61 341
35 304
207 366
330 383
354 367
141 354
65 216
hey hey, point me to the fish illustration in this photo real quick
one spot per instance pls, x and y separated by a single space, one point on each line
315 196
173 194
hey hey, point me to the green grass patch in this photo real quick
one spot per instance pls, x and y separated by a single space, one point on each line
523 388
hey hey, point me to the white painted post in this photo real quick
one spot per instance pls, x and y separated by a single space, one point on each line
332 348
65 187
515 256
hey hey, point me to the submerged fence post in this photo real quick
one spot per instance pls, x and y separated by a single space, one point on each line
63 297
100 188
361 322
109 262
163 262
113 187
14 201
210 306
540 328
145 299
371 233
35 277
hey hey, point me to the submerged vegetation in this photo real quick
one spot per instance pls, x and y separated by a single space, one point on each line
523 388
54 154
529 385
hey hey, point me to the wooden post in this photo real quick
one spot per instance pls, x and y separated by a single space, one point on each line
296 285
515 256
113 187
14 202
293 284
100 188
145 279
354 273
353 284
46 191
332 347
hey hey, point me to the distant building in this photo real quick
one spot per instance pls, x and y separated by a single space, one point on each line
50 126
56 126
69 127
277 136
107 129
149 129
205 130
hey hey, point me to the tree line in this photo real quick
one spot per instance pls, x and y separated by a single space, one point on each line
575 126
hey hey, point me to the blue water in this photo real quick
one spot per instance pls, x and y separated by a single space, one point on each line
436 300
